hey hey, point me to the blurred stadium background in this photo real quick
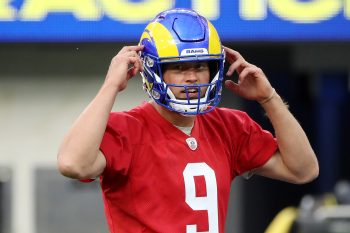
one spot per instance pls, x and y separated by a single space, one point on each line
53 58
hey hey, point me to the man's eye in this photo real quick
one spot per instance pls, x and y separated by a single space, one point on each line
201 66
178 67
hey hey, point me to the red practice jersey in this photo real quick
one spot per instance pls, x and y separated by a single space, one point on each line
159 179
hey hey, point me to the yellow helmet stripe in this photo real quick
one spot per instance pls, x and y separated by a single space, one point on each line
146 35
164 42
214 40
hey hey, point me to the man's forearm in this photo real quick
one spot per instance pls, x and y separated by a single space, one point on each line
80 146
295 149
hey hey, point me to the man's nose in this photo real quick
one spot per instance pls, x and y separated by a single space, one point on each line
191 76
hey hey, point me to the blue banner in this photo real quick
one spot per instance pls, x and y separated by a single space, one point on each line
124 20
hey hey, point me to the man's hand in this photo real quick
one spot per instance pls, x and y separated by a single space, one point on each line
252 83
124 65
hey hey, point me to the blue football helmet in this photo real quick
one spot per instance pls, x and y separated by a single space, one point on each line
182 35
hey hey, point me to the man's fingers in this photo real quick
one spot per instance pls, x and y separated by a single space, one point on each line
136 66
135 48
232 86
238 66
131 53
238 63
232 68
135 62
232 55
251 70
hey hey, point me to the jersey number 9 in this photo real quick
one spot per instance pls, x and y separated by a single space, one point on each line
209 202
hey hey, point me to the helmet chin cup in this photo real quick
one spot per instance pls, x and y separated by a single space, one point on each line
181 35
188 109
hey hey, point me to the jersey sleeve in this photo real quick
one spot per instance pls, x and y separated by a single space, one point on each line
117 144
253 147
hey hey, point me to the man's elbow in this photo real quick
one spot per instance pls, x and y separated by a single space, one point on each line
66 169
311 174
70 169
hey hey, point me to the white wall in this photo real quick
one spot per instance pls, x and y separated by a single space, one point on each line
35 113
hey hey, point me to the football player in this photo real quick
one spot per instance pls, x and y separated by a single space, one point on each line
167 165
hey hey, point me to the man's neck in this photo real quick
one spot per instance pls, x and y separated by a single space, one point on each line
174 117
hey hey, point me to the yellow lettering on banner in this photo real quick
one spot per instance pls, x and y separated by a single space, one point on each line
81 9
7 13
253 9
305 12
132 12
208 8
347 9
